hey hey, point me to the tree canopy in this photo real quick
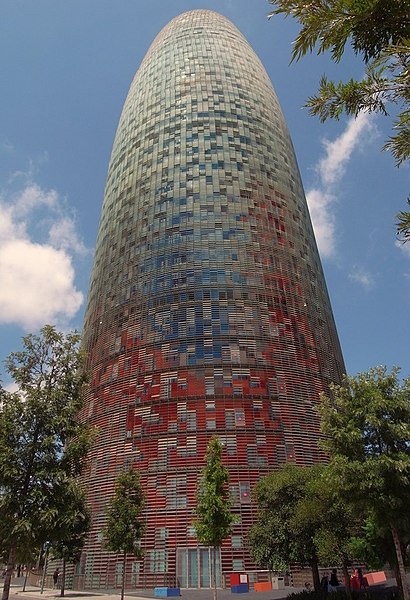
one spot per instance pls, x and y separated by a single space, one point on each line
354 507
41 442
214 520
366 422
403 224
379 32
125 524
69 535
374 545
288 517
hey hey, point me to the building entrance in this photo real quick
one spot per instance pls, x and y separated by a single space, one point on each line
194 567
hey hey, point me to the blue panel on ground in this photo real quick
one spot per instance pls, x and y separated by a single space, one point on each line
164 592
242 588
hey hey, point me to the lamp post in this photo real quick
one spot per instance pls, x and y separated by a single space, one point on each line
46 550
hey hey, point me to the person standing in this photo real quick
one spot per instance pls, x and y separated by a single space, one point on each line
324 583
362 579
55 577
334 582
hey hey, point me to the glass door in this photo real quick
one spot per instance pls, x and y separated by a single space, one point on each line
204 568
194 567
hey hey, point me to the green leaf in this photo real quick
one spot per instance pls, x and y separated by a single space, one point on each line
213 520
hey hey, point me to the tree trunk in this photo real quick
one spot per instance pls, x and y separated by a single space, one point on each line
403 584
124 557
314 565
38 563
9 573
25 579
63 579
214 574
396 572
347 581
44 570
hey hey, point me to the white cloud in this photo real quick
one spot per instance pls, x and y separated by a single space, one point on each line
37 277
32 197
332 167
11 387
323 220
330 170
364 278
63 235
405 248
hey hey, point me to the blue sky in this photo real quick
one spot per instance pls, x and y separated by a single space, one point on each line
65 69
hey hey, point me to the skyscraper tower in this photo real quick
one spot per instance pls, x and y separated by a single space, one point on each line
208 311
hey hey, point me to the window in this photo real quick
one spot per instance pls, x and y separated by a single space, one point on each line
230 419
158 561
237 564
177 492
191 532
135 573
191 421
245 493
162 533
290 453
251 455
239 418
230 442
234 492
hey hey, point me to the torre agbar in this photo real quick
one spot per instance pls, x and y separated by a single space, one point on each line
208 312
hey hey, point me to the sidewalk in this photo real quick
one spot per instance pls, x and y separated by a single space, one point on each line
31 592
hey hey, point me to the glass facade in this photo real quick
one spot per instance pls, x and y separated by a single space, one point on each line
208 311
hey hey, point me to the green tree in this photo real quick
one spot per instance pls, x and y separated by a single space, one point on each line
374 544
403 224
41 441
379 32
278 537
125 526
303 517
72 527
269 542
337 520
366 422
213 519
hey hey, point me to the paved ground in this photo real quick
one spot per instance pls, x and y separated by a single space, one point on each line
33 593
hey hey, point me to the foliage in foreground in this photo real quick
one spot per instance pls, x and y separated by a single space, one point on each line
73 530
125 525
379 32
41 442
214 520
403 224
301 519
366 422
355 507
273 541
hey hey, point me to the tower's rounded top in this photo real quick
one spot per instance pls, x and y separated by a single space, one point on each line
200 13
201 18
195 22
